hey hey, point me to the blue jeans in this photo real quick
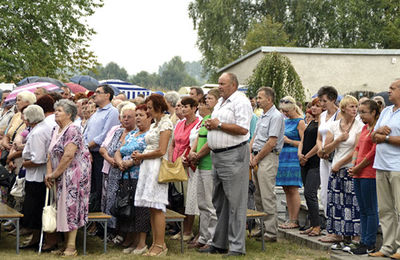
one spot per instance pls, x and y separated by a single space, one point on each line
365 190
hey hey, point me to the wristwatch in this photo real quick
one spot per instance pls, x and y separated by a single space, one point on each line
219 125
387 139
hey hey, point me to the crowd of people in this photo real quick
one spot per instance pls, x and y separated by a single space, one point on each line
94 148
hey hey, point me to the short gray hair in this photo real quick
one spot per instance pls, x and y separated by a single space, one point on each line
33 114
68 106
121 105
27 96
126 107
172 97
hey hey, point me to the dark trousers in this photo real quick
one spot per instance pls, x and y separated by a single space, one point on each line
311 182
96 181
35 194
365 190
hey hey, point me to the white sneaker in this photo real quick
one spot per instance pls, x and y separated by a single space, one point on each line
140 251
337 246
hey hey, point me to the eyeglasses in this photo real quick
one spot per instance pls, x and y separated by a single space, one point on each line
98 92
285 101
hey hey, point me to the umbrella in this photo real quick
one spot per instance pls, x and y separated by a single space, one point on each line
88 82
29 87
76 88
27 80
50 80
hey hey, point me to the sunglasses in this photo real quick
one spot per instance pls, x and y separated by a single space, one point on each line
285 101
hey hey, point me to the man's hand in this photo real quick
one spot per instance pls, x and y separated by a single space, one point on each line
379 138
384 130
212 124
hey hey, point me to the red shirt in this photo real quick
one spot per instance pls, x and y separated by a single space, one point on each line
181 137
366 149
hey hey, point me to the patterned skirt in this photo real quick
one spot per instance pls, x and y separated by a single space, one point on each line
289 171
343 213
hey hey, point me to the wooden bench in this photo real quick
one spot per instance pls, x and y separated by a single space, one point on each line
102 219
7 213
253 214
172 216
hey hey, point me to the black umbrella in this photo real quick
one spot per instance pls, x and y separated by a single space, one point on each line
27 80
88 82
385 96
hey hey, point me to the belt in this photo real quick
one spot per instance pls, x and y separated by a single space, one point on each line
228 148
275 151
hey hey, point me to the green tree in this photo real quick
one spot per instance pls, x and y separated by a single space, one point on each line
145 79
277 72
45 38
266 33
221 25
112 71
173 75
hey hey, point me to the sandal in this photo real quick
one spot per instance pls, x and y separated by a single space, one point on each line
330 238
290 224
69 253
163 252
314 233
307 231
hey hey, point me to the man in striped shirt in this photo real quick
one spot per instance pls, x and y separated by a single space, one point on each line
228 133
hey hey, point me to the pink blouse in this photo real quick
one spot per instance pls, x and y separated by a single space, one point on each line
181 137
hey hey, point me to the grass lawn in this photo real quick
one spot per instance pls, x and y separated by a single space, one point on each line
281 250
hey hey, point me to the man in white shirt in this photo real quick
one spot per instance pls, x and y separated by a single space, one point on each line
228 133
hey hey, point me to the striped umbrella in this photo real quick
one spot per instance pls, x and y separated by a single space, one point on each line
29 87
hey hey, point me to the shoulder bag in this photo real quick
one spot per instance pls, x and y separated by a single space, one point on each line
172 171
49 216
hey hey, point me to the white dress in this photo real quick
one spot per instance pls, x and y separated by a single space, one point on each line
325 166
191 205
150 193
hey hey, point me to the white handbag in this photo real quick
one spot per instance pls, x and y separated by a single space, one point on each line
49 216
18 189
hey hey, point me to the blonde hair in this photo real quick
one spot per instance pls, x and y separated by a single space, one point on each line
346 100
27 97
290 104
121 105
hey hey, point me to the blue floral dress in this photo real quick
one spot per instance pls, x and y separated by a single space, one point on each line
140 219
289 172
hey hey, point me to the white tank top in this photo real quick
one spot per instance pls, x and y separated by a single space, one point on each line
324 125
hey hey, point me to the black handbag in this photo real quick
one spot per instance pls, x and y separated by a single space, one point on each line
175 198
123 206
6 178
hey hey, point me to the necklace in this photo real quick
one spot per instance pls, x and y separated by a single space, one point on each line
348 128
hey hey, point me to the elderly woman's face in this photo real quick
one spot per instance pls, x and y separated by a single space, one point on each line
21 103
61 115
128 119
188 111
142 120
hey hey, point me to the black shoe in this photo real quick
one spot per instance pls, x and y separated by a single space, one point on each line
232 253
362 249
213 250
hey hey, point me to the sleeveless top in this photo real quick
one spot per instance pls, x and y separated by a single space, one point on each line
324 125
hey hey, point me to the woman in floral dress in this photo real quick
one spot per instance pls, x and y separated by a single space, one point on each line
69 166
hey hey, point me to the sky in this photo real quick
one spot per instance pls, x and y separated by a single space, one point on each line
143 34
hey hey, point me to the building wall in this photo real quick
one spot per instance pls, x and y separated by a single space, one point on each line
343 71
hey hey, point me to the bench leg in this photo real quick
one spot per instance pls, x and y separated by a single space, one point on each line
84 239
17 247
182 236
105 236
262 235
